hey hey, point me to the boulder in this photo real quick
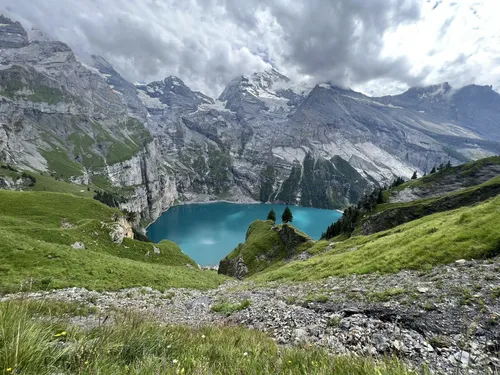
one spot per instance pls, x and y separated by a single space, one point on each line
78 246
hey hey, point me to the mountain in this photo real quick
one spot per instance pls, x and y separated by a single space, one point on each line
472 107
264 138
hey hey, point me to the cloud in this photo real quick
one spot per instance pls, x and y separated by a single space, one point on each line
376 46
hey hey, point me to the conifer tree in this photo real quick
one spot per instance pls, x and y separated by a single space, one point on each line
287 216
433 170
380 197
271 216
414 177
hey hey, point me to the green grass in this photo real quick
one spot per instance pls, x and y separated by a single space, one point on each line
139 345
261 239
38 229
46 94
227 308
60 164
46 183
52 308
436 239
83 145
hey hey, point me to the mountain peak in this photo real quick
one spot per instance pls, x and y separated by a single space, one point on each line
12 34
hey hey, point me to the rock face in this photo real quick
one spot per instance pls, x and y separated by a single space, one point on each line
292 239
12 34
236 268
263 139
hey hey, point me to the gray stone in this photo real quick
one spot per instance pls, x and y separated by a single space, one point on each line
78 246
12 34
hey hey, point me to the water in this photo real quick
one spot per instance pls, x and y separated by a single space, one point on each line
208 232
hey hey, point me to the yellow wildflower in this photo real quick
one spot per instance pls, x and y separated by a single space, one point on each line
86 362
9 369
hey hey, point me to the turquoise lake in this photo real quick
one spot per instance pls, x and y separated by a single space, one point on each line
208 232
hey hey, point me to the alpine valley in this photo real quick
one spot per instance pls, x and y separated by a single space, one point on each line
263 139
405 282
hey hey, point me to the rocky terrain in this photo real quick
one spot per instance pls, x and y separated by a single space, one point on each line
263 139
447 318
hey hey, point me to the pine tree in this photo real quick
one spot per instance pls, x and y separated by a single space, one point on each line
448 165
433 170
414 177
380 197
287 216
271 216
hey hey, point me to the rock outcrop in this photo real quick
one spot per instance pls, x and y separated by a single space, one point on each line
233 267
292 238
12 34
265 244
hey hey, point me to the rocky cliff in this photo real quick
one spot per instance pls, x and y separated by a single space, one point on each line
262 139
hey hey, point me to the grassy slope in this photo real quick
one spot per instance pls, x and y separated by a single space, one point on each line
35 246
263 246
260 239
139 345
429 201
462 171
441 238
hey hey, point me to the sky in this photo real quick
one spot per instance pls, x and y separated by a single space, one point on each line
378 47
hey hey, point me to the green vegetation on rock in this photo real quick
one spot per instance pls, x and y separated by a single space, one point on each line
268 178
266 244
60 164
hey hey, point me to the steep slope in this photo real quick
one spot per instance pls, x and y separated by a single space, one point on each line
52 240
265 245
473 107
61 117
447 189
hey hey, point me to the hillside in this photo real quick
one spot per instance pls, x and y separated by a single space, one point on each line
442 238
55 240
265 244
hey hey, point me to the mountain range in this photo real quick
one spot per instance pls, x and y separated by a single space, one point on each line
263 139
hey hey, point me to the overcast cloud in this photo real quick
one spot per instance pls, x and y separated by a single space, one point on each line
375 46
